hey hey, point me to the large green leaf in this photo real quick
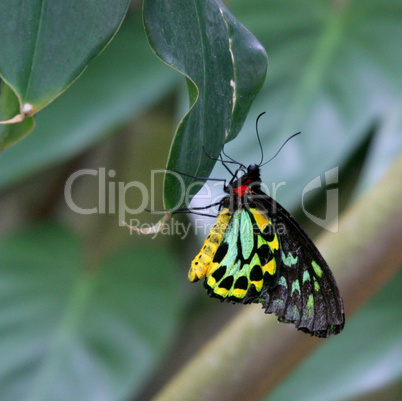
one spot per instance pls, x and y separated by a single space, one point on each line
385 148
117 86
225 66
334 74
365 357
9 107
71 330
45 45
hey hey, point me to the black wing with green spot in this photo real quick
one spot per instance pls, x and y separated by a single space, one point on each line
306 294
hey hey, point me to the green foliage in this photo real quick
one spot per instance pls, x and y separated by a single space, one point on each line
45 46
330 77
108 95
88 311
64 319
224 76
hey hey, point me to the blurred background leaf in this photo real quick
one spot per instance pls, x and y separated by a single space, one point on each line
331 76
72 330
366 358
334 75
45 46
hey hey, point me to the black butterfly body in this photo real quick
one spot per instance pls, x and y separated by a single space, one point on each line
257 252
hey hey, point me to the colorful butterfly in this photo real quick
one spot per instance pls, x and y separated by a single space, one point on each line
257 252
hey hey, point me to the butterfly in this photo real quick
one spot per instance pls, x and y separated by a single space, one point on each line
256 252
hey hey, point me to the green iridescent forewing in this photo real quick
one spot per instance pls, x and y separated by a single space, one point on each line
246 260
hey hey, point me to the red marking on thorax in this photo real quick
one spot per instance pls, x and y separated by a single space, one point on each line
240 191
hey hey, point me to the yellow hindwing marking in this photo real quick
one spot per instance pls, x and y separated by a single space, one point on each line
258 284
256 261
261 219
270 267
239 293
202 261
221 291
210 278
274 244
262 222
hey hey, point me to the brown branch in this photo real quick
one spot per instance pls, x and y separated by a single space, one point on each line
253 353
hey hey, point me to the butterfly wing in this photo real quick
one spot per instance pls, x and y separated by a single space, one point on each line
259 253
240 263
306 293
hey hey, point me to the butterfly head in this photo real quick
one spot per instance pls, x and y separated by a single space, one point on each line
244 184
253 173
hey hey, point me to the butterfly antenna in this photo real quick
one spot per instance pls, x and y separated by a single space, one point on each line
209 156
231 158
276 154
222 161
258 136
